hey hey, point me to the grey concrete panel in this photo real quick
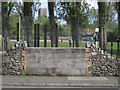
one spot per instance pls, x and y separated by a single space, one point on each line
63 61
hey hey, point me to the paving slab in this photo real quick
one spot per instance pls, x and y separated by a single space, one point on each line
58 81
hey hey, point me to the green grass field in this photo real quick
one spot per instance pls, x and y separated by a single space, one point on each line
66 45
114 49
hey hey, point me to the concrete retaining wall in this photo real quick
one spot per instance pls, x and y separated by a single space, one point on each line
56 61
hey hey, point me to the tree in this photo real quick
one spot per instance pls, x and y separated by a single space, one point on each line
93 18
28 20
117 6
52 24
73 13
113 34
77 36
4 28
5 25
13 20
105 14
102 31
119 18
0 21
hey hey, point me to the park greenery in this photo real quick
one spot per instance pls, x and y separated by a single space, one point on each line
78 16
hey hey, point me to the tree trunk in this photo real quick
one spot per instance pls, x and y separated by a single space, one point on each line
77 36
0 23
4 26
102 32
104 39
119 18
72 32
73 25
77 32
52 23
28 36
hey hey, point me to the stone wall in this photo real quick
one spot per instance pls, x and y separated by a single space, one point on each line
102 63
12 60
56 61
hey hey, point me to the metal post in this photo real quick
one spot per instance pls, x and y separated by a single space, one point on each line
111 48
19 28
17 31
45 36
56 43
118 47
34 35
38 35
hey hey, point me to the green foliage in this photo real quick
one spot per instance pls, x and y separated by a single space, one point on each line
18 7
64 30
13 20
115 50
43 20
23 74
113 34
70 10
93 18
11 43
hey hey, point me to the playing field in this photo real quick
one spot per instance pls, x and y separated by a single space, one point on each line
63 44
66 45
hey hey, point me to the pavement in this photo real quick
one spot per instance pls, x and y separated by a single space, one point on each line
57 81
